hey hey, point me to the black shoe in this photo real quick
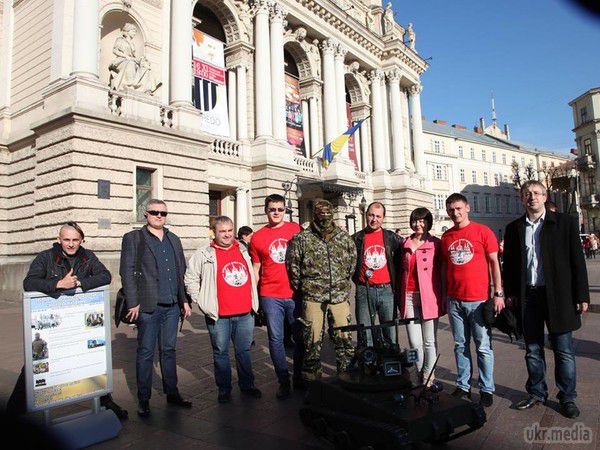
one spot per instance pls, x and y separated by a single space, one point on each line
284 391
299 384
252 392
143 408
569 410
529 402
108 403
459 393
224 397
486 399
177 400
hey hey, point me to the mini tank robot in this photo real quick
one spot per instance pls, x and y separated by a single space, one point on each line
378 403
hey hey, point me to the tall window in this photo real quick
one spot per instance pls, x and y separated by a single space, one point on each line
493 157
143 191
472 153
462 175
587 147
483 155
592 183
476 202
474 176
503 159
485 178
214 206
507 204
496 180
439 201
488 208
440 172
505 178
437 146
460 151
498 206
584 115
514 158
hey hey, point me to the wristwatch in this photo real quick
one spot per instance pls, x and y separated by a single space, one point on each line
499 294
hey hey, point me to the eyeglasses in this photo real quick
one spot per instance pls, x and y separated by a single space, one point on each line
272 210
158 213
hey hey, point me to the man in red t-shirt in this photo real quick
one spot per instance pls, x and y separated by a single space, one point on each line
378 251
219 278
470 254
268 248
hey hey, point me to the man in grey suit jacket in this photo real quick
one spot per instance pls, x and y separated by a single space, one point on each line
155 298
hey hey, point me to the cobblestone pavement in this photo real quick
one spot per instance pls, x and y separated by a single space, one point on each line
271 424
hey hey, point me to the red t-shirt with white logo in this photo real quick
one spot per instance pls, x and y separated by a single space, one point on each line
465 251
234 285
374 258
268 247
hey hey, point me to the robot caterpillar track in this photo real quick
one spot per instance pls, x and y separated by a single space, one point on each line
386 419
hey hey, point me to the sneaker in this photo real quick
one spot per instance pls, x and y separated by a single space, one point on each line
459 393
143 408
284 391
224 397
486 399
252 392
569 410
108 403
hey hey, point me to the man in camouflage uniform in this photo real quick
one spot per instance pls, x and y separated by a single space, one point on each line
320 261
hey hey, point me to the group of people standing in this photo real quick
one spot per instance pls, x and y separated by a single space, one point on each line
302 280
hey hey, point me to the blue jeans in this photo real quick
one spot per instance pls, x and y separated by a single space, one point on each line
466 319
280 311
381 299
534 316
161 326
240 330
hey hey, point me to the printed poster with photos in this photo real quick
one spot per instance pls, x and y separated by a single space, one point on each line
67 347
209 89
351 141
293 110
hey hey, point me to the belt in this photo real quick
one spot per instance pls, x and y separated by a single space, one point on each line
166 305
531 288
375 285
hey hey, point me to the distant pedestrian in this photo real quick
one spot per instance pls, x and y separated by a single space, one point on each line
244 236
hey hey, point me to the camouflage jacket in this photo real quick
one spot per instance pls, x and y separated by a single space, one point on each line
321 270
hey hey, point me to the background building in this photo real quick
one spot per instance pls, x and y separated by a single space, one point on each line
586 121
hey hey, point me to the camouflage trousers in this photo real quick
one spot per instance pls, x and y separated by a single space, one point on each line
313 318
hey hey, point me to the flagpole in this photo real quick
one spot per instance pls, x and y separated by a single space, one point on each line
317 154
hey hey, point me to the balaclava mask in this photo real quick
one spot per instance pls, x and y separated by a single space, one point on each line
323 219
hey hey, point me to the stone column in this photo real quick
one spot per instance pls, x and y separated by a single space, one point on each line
180 77
306 119
315 142
385 123
6 52
398 162
241 207
340 92
357 147
232 102
86 38
377 120
417 128
242 103
329 92
278 73
365 146
262 70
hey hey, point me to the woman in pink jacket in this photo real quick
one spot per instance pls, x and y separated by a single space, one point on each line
421 289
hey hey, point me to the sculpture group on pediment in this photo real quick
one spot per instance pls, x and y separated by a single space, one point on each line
127 70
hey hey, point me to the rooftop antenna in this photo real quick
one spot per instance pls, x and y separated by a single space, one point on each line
493 110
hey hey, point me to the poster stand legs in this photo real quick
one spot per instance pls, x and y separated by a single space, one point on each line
84 428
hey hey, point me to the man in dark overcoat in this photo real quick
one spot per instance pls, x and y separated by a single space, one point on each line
546 281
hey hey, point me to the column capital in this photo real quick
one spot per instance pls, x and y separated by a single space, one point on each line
376 76
241 190
415 89
328 46
340 51
277 12
394 75
261 6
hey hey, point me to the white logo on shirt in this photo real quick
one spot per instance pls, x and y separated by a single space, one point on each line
277 250
375 257
235 274
461 251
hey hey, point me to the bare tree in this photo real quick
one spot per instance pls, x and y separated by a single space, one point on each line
516 175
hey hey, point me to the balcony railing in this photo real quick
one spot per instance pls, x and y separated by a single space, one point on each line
585 162
307 166
229 149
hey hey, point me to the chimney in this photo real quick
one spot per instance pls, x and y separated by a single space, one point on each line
440 122
507 131
459 127
482 124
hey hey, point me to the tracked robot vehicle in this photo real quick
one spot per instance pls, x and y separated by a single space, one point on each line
379 404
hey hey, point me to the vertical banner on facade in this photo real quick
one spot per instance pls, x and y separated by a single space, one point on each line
67 347
351 146
293 108
210 90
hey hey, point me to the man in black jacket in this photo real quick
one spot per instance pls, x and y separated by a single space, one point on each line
156 299
546 279
378 252
66 266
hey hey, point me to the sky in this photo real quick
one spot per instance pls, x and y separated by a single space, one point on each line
534 55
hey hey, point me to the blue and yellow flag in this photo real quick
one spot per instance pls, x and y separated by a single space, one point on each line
335 146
